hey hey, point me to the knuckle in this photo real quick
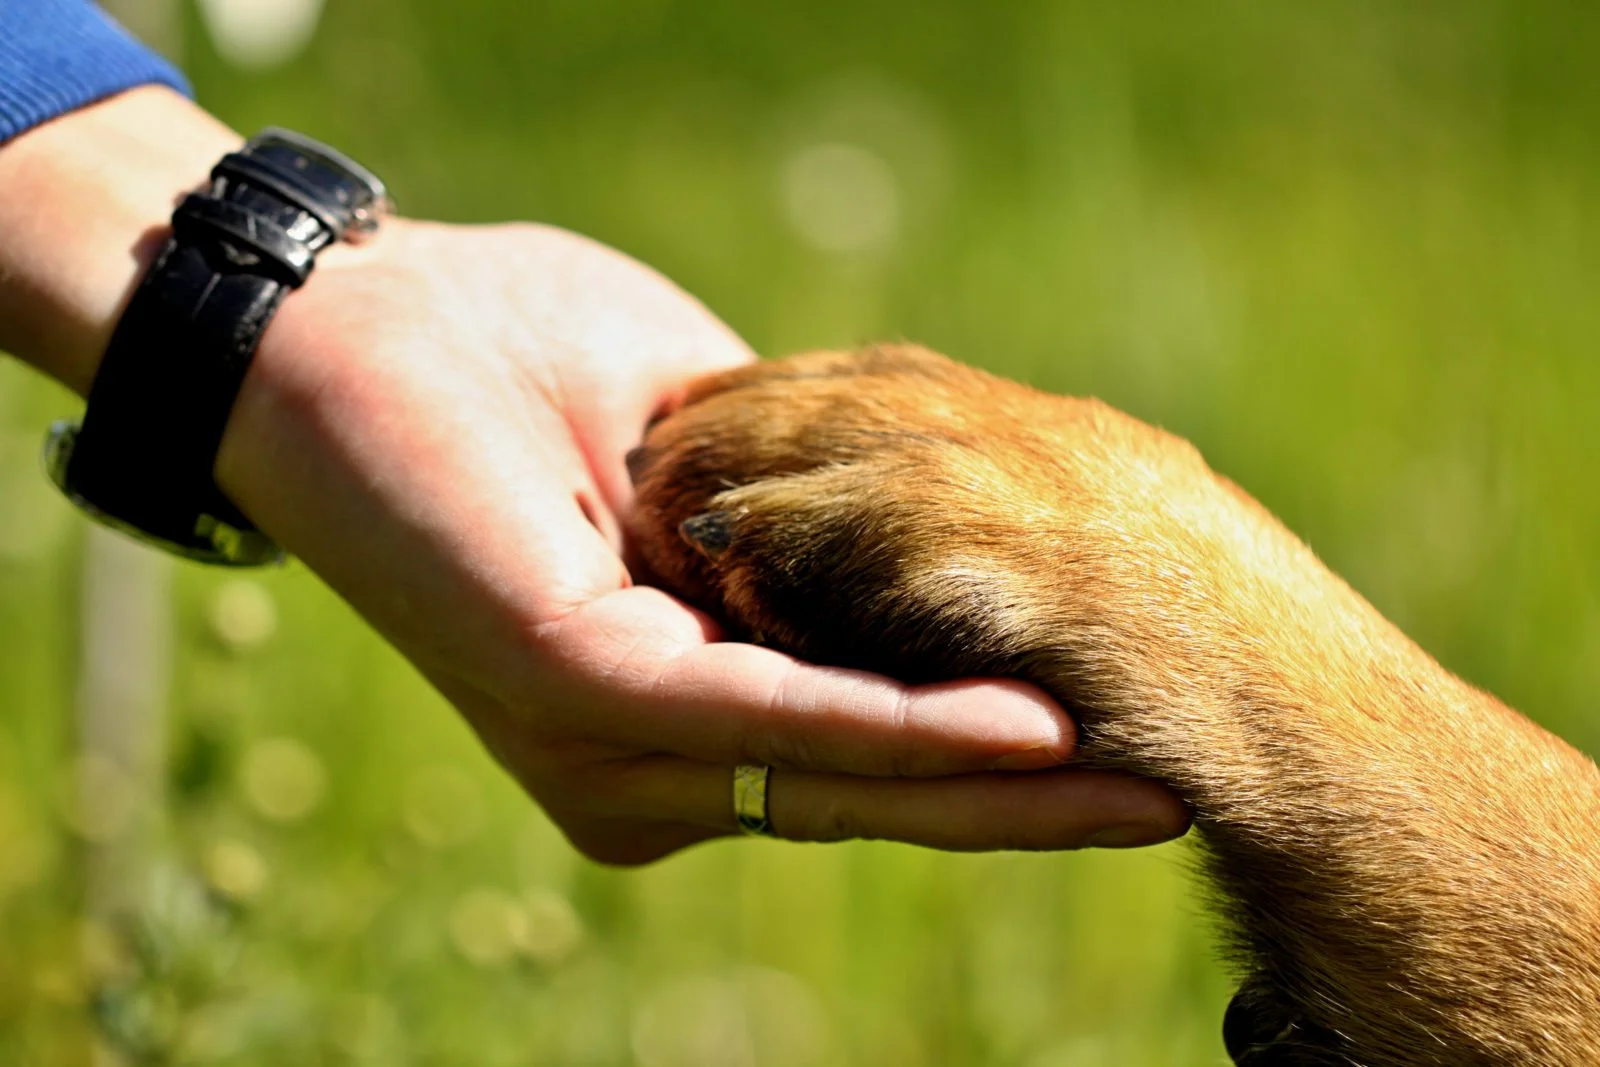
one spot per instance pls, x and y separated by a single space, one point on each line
785 748
904 757
775 738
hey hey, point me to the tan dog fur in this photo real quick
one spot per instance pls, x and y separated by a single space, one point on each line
1410 872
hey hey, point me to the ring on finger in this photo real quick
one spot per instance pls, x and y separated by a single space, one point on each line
750 782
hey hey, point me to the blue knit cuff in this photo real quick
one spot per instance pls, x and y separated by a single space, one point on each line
58 55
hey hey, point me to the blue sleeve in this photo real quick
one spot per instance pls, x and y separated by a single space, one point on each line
58 55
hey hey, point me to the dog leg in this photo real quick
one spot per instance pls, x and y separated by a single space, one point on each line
1410 872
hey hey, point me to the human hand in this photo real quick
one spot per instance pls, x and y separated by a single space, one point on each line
436 425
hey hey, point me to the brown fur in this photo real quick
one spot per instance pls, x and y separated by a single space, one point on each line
1410 872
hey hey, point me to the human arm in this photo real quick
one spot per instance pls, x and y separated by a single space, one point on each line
435 424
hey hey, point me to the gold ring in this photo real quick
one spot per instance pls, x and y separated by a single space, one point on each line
750 799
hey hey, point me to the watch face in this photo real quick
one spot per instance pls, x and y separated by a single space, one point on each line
215 541
356 189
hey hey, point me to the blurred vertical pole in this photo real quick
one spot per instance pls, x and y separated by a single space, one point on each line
125 657
125 654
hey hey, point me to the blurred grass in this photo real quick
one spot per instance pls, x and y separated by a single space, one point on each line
1348 248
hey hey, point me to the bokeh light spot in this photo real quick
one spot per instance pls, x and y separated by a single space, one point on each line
442 806
256 34
242 614
487 926
283 779
235 870
841 197
552 930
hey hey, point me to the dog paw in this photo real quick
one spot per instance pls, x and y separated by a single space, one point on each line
892 509
799 500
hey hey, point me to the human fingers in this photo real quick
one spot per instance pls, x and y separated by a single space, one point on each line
1062 809
649 802
631 842
657 680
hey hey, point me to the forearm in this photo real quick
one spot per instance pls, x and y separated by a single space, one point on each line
84 205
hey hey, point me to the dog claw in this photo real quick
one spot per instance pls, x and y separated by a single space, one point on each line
1259 1032
710 533
636 460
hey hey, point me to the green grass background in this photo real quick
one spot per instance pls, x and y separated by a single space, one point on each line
1348 248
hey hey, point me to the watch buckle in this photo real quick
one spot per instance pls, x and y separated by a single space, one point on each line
364 221
229 546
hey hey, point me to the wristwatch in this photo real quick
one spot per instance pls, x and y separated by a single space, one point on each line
141 458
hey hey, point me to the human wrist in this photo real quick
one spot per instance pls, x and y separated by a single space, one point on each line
85 202
306 369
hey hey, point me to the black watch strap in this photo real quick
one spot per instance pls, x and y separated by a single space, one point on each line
142 458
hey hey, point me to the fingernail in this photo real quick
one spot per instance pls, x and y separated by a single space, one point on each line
1129 835
1029 759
